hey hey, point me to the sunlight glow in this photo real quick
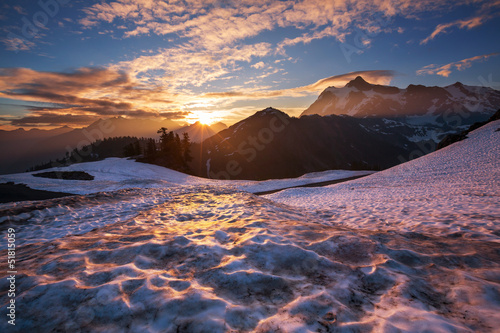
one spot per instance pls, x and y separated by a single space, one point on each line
205 118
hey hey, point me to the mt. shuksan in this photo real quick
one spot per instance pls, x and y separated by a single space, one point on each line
359 98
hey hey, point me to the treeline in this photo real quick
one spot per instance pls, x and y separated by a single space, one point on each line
171 151
125 146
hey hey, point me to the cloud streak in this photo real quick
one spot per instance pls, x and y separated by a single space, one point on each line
375 77
86 94
488 11
446 70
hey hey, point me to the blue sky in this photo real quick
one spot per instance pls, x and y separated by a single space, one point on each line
70 62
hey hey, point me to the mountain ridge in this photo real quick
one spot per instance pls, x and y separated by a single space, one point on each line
271 144
23 149
359 98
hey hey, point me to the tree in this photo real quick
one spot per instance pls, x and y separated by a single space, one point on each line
150 152
128 150
186 148
137 148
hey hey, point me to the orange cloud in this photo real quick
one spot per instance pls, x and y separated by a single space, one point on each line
446 70
469 24
212 31
487 11
374 77
83 95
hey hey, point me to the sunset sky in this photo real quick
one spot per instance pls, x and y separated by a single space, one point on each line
71 62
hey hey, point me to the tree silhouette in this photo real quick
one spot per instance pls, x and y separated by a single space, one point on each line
186 148
174 152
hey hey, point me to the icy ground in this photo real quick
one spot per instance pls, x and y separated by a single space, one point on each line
454 191
114 174
415 248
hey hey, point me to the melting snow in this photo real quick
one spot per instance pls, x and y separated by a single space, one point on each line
114 174
412 248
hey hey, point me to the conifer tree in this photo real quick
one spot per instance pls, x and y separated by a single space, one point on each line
186 148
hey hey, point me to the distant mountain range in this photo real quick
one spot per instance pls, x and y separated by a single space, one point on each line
22 149
358 126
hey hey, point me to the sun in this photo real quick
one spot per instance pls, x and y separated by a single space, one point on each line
205 118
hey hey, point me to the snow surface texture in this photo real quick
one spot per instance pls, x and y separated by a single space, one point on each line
205 258
454 191
114 174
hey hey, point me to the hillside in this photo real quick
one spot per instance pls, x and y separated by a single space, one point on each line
270 144
437 191
23 149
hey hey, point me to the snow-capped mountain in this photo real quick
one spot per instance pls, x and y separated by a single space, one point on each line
416 104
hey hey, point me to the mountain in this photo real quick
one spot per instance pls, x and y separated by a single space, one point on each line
445 107
23 149
17 145
270 144
199 132
119 126
20 134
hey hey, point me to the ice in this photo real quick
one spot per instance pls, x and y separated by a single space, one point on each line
413 248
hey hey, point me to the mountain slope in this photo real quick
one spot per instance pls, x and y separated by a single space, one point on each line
198 132
441 188
25 149
452 138
433 105
270 144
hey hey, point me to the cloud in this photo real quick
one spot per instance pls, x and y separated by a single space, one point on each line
486 12
446 70
187 66
443 28
374 76
16 43
20 10
209 36
383 77
49 119
259 65
86 93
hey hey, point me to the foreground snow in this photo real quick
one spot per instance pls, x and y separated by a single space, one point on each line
454 191
211 258
114 174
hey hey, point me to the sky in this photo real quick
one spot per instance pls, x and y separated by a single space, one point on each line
71 62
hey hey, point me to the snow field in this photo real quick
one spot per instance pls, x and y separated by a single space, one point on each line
410 249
